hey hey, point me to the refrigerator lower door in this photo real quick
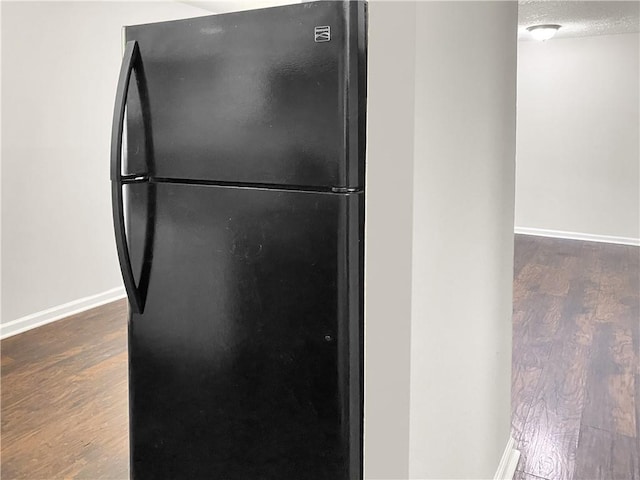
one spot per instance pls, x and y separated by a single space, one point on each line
247 361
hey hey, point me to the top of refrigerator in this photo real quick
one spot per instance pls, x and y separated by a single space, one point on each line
273 97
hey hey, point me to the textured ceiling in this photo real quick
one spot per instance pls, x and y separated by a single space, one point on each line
580 18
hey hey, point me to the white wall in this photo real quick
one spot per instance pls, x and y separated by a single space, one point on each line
389 224
60 63
463 238
0 165
578 135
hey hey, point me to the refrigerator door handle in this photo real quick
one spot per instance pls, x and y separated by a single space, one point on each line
131 54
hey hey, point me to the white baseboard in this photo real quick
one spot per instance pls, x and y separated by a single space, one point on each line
58 312
509 462
589 237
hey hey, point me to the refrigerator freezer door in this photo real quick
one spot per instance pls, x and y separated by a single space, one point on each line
246 363
270 96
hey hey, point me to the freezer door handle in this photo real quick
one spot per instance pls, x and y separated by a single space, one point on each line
131 54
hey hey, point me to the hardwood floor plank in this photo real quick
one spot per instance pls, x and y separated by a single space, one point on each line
633 260
525 381
64 399
603 455
528 247
594 458
582 300
622 390
611 392
535 329
525 476
550 436
599 403
551 432
625 463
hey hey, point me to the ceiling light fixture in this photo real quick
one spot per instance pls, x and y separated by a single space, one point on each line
543 32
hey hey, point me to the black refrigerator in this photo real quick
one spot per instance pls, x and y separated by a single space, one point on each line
237 171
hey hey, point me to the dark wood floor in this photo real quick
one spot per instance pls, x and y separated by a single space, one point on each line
575 376
64 399
576 383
